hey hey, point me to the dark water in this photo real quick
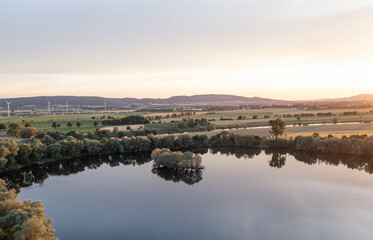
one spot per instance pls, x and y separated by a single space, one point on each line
242 194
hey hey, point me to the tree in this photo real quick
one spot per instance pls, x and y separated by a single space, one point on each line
55 125
335 120
115 130
278 127
128 128
2 127
95 124
14 129
78 124
28 132
211 128
39 134
69 124
22 220
121 134
4 152
27 125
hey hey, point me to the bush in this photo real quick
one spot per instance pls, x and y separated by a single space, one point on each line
14 129
39 134
2 127
210 128
75 134
121 134
92 147
28 132
185 141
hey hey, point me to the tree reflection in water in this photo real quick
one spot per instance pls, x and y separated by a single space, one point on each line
278 160
189 177
28 176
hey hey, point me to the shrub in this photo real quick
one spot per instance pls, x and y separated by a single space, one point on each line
121 134
75 134
39 134
210 128
2 127
28 132
92 147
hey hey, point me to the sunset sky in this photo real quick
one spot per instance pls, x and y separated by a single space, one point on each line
286 49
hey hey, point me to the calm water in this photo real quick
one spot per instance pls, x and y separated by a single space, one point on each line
241 194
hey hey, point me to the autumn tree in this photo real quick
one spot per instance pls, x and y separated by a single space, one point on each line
22 220
28 132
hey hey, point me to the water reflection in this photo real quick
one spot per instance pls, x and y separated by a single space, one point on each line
277 159
37 174
189 177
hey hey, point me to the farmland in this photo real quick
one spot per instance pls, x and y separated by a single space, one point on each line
221 120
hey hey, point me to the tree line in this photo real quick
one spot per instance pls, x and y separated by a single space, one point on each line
14 155
129 120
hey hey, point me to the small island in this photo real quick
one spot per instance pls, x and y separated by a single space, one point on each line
176 160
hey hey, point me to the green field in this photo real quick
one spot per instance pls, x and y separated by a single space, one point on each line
44 123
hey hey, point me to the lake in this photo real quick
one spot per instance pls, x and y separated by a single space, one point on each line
241 194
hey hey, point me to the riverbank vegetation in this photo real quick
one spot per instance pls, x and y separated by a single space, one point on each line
55 147
22 220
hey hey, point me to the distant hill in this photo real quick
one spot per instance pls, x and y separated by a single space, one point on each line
79 101
205 99
61 100
213 99
361 97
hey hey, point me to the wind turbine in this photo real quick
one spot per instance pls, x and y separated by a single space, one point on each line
67 110
105 105
8 108
49 107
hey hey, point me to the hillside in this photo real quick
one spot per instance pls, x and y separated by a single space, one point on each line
80 101
361 97
204 99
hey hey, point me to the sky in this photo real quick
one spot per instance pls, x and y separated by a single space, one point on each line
283 49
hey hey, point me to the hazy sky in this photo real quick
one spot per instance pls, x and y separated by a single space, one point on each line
290 49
